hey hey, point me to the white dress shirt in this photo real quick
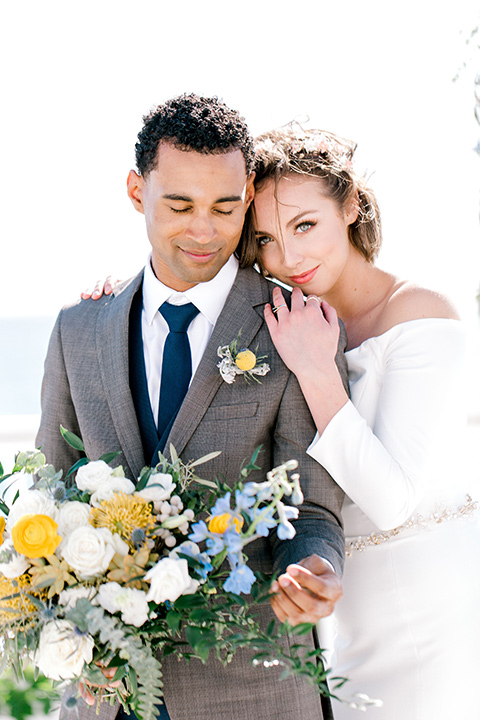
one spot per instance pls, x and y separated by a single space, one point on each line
209 297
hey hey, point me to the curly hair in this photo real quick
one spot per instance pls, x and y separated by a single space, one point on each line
190 122
326 156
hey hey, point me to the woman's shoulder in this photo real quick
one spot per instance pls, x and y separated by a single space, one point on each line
409 301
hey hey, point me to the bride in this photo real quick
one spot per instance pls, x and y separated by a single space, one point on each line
408 627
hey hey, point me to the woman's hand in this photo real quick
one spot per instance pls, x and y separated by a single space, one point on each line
307 592
306 338
102 287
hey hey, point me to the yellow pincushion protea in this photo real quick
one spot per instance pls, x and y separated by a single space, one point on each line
123 514
2 528
220 523
18 603
246 360
35 536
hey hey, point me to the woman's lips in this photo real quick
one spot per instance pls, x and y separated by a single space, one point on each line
304 277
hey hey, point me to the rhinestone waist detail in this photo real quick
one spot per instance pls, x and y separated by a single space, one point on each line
416 522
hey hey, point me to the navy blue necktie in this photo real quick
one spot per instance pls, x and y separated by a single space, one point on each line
176 364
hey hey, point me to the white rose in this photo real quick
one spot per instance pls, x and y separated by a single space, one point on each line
33 502
132 603
72 515
68 598
17 564
159 487
114 484
90 476
169 579
62 652
89 550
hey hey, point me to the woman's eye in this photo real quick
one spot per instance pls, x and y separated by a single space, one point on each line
304 226
263 240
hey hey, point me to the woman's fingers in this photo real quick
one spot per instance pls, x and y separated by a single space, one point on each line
102 287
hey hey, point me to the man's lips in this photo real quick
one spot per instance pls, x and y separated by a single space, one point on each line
199 256
304 277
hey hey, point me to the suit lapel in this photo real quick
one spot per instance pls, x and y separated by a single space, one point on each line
112 348
243 311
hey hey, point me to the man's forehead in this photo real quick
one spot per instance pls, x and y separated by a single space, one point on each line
170 156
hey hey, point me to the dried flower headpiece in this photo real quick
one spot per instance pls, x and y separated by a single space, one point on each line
299 144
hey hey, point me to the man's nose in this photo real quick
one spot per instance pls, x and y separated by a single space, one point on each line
201 228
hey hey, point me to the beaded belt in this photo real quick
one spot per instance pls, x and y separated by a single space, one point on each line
416 522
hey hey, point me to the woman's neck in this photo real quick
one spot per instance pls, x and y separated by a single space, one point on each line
360 298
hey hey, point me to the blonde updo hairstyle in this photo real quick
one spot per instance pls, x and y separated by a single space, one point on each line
326 156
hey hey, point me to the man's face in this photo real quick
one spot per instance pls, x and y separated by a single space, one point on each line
194 207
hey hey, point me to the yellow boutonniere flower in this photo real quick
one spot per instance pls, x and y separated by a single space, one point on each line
2 528
219 523
35 536
246 360
240 362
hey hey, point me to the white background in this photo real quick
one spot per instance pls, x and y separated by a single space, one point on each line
78 76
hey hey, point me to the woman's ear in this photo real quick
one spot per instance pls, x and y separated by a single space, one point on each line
352 210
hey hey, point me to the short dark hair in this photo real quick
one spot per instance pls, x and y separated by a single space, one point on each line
190 122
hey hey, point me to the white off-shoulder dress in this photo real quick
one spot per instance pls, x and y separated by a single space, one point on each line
408 627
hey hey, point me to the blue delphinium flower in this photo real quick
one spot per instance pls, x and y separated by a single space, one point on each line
233 541
285 530
240 580
221 506
263 491
192 550
215 544
266 523
243 501
199 531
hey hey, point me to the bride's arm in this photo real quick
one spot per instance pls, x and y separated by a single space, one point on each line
383 468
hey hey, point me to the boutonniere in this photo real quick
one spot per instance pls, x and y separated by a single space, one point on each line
240 362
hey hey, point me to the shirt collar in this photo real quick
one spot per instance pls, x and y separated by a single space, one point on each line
209 297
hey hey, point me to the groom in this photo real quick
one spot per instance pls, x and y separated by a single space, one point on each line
106 379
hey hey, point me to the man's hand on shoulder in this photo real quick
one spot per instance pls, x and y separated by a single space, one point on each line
306 592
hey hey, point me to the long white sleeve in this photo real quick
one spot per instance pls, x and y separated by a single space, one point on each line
405 388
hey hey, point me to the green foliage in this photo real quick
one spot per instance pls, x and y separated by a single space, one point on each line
23 697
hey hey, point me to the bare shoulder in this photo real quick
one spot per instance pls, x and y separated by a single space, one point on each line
409 301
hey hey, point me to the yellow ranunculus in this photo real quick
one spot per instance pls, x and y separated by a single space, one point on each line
219 523
246 360
35 536
2 528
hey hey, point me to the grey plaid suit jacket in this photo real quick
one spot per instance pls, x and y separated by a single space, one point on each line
86 389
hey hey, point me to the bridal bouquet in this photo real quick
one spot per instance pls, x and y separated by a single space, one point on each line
96 572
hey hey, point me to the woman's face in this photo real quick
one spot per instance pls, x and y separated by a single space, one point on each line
302 233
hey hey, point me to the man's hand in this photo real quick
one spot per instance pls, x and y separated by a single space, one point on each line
307 592
85 686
